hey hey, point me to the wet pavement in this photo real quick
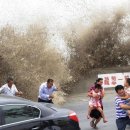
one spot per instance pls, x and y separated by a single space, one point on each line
79 103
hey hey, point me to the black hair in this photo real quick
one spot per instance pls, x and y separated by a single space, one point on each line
50 80
9 79
128 81
99 79
98 86
118 87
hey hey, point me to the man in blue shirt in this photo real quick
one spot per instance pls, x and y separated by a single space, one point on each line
46 91
122 118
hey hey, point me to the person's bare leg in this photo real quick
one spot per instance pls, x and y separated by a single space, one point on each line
89 110
96 122
92 124
88 115
102 113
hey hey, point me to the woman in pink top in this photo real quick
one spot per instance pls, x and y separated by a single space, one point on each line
94 102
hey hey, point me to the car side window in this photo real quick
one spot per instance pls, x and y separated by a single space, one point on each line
36 112
17 113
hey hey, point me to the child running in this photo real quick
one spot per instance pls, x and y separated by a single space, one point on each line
94 102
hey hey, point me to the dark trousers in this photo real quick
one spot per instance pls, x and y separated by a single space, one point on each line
46 101
122 122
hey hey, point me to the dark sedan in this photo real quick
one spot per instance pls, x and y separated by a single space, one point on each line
21 114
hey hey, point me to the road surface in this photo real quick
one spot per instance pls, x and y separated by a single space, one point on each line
79 102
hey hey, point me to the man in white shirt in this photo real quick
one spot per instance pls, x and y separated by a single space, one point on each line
10 89
46 91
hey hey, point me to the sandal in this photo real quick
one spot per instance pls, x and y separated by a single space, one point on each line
92 124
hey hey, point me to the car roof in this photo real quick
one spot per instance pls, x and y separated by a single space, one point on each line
12 100
4 99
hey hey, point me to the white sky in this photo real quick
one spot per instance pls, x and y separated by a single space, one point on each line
22 12
56 13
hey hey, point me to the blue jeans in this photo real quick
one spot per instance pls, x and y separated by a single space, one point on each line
122 122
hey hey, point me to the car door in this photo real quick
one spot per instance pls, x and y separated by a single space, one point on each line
48 117
25 125
20 117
